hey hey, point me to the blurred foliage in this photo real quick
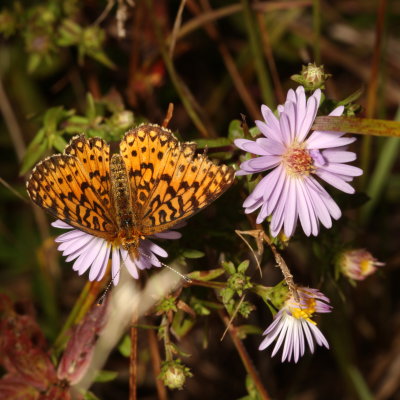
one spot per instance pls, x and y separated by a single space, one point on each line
67 68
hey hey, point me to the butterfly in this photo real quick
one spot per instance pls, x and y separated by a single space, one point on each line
153 183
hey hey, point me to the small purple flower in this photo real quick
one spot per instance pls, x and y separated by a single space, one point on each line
290 191
92 252
293 327
358 264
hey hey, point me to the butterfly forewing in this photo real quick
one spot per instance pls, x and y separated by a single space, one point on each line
170 183
94 155
61 185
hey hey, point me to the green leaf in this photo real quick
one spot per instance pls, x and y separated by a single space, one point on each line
352 98
34 61
206 275
33 153
227 294
59 143
211 143
229 267
90 396
90 107
125 346
235 130
181 324
242 267
245 330
193 254
106 376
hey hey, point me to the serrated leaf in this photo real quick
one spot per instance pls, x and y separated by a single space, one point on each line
106 376
206 275
193 254
125 346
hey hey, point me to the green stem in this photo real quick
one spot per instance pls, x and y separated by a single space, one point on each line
257 52
317 30
363 126
387 157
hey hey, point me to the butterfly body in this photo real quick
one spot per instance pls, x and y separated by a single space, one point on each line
153 183
123 206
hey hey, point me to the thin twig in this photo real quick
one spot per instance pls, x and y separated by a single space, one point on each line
256 49
193 109
372 88
175 29
12 190
256 235
284 268
233 316
248 364
229 61
266 44
11 122
106 11
263 7
168 116
156 363
137 26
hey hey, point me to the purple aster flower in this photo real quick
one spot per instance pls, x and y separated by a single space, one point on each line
92 252
293 327
358 264
290 191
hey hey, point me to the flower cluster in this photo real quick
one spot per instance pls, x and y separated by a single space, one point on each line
92 253
293 327
290 191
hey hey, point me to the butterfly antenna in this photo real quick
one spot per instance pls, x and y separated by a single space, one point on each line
184 277
107 289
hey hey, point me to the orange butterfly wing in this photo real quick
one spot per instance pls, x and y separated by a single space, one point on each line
74 186
169 183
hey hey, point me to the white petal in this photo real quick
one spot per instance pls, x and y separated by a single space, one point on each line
115 265
312 108
100 260
335 181
61 224
333 155
130 265
70 235
290 214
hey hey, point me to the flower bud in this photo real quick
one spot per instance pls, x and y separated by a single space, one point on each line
312 77
358 264
174 373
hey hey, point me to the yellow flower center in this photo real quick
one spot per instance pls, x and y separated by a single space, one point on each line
298 161
301 312
366 266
